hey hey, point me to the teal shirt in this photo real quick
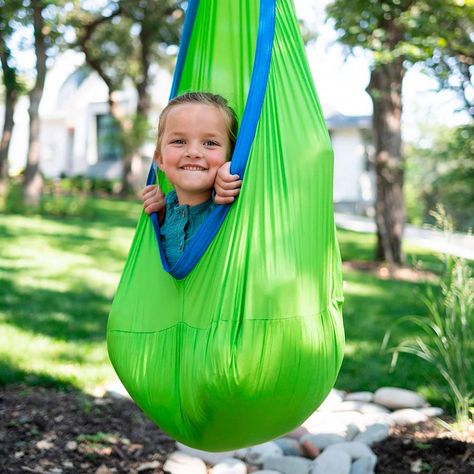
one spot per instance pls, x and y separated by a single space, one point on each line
181 224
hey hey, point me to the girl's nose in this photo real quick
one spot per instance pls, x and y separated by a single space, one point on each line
193 151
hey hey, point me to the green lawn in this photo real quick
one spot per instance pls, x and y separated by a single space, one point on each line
58 276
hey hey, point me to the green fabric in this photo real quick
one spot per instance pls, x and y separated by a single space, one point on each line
249 344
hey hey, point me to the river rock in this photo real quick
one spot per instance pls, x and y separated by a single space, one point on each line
288 464
355 449
266 471
408 416
359 397
431 411
181 463
206 456
362 407
229 466
395 398
322 441
334 398
289 446
258 453
331 461
373 434
382 418
364 465
297 433
336 423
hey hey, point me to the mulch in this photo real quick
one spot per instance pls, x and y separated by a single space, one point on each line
46 430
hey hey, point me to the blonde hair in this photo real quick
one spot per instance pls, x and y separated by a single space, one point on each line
205 98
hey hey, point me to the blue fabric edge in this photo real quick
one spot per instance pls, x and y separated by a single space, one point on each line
252 111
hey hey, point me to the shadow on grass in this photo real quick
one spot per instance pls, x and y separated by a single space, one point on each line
68 315
104 213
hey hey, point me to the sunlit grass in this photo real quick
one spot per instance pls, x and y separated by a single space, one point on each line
58 277
57 280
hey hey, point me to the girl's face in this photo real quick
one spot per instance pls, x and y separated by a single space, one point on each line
194 145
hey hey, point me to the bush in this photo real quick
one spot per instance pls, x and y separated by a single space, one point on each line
445 332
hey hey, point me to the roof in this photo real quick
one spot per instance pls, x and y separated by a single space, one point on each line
338 121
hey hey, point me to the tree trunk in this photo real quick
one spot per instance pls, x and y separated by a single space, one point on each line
11 95
33 181
132 159
385 90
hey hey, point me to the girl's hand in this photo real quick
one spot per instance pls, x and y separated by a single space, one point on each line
154 201
227 186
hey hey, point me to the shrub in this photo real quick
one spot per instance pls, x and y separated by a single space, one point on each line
444 337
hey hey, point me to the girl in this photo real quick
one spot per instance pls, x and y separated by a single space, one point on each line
196 137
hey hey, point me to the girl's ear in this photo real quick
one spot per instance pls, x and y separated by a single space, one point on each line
157 157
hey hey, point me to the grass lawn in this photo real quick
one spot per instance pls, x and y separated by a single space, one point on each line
58 276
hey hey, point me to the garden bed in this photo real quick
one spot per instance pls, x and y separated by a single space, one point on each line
50 431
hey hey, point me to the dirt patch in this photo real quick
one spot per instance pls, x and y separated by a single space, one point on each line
425 448
385 271
49 431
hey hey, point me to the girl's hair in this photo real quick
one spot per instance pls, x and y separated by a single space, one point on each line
205 98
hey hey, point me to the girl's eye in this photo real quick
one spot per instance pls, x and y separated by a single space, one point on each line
211 143
178 141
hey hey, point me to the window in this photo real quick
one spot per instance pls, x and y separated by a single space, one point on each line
108 139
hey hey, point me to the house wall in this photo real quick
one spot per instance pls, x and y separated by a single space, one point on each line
353 181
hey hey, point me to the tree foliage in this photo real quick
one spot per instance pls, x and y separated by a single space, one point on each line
438 33
122 42
443 172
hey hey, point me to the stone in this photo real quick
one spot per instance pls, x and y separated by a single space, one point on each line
206 456
229 466
361 407
431 411
334 398
354 449
311 451
359 397
395 398
287 464
408 416
322 441
373 434
297 433
266 471
352 430
383 418
71 445
116 390
365 465
257 454
148 466
333 461
335 422
182 463
289 446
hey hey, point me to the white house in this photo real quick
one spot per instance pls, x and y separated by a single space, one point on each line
77 134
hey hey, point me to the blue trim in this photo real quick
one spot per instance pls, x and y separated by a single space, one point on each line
248 127
183 47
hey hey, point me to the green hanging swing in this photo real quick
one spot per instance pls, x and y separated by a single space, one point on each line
242 339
